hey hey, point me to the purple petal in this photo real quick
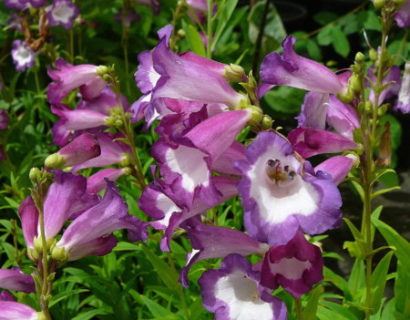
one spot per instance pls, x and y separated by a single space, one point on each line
11 310
296 266
402 16
81 149
23 56
62 13
403 103
29 218
97 181
314 109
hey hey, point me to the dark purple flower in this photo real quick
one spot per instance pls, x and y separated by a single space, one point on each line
23 56
296 266
6 296
282 195
233 292
35 3
62 13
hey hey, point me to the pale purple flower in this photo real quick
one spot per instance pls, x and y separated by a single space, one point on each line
29 219
23 56
290 69
233 292
4 119
296 266
62 13
402 16
11 310
403 103
16 280
67 77
282 195
89 233
337 167
98 181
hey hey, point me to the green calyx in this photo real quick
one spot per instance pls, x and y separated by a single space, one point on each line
60 254
234 72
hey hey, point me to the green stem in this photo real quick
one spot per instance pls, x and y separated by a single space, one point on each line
209 29
299 309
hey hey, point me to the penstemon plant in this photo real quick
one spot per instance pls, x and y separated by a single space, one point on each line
245 200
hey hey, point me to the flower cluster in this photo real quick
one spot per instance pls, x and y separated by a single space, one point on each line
200 164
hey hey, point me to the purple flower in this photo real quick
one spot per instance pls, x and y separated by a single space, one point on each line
296 266
338 167
402 16
68 77
15 4
216 242
293 70
309 142
4 119
66 199
159 202
89 233
98 181
29 219
81 149
62 13
16 280
11 310
403 103
233 292
281 195
23 56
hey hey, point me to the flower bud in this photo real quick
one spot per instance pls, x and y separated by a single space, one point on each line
378 4
102 70
59 254
35 174
54 161
234 72
359 58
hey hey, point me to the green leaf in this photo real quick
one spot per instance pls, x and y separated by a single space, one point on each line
309 312
224 14
194 39
340 42
357 280
334 278
285 99
379 278
372 21
333 311
325 17
402 292
324 37
90 314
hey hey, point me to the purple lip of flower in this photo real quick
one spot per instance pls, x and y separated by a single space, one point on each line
233 292
280 196
403 103
216 242
29 220
402 16
87 234
4 119
16 280
296 266
293 70
17 311
62 13
23 56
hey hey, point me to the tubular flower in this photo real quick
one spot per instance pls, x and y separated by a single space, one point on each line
11 310
281 195
62 13
16 280
290 69
233 293
23 56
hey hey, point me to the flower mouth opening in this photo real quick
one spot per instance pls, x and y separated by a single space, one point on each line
282 178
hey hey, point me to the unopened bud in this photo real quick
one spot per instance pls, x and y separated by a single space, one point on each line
60 254
346 97
41 316
102 70
125 160
38 244
266 122
234 72
35 175
181 33
382 109
378 4
373 54
32 254
256 115
360 58
54 161
127 171
355 83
